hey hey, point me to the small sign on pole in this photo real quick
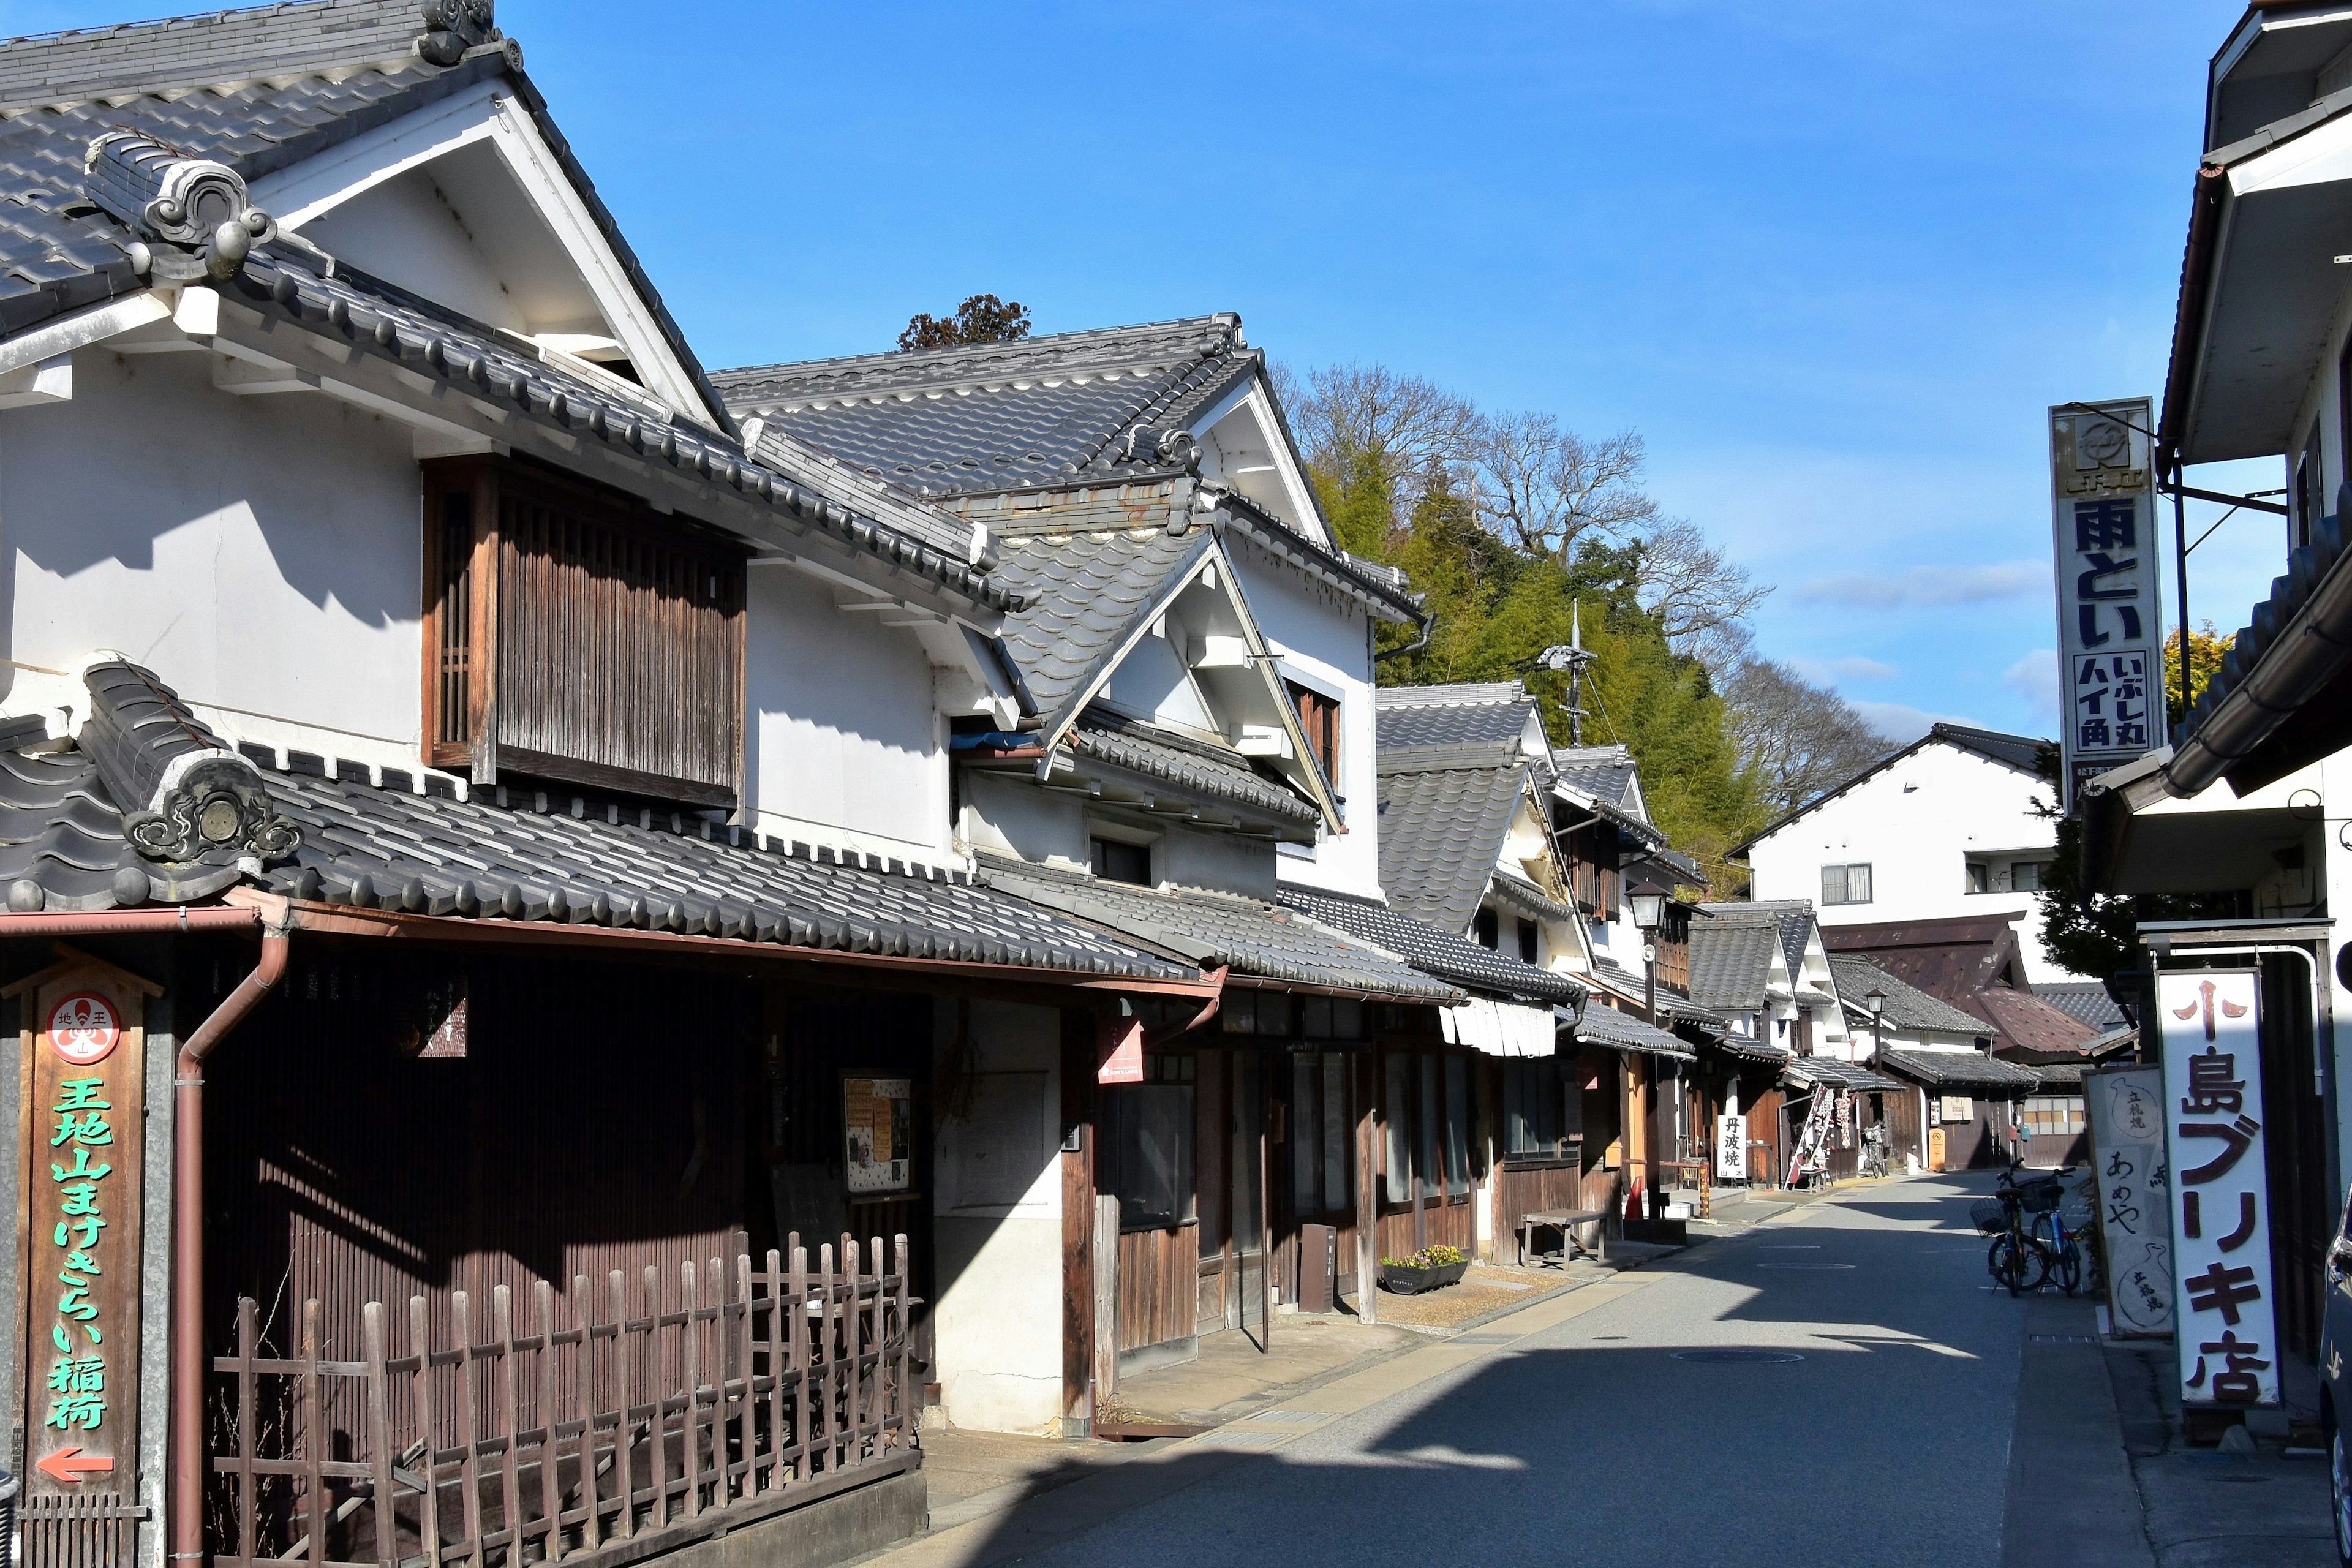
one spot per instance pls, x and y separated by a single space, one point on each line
2110 621
2226 1333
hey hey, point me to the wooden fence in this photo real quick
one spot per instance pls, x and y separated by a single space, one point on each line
743 1392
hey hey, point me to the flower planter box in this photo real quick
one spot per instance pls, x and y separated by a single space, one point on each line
1400 1281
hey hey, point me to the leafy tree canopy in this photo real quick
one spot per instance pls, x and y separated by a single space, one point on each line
981 319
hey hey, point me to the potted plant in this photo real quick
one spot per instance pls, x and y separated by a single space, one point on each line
1431 1269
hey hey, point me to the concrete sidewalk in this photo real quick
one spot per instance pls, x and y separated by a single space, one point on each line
2099 1476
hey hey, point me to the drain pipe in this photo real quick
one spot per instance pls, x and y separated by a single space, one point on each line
188 1445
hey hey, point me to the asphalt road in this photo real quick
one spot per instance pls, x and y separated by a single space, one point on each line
1603 1440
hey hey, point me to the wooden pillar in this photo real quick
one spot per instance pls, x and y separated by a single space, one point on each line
1077 1120
1368 1188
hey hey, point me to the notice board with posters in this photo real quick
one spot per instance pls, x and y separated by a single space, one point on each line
2134 1196
81 1131
2226 1333
877 1122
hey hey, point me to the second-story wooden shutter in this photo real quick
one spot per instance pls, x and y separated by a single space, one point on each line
572 634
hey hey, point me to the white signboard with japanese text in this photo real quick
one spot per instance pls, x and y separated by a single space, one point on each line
2110 623
1731 1148
2226 1333
2134 1198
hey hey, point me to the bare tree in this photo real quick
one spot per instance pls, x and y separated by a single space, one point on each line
1701 598
1799 739
1547 488
1409 422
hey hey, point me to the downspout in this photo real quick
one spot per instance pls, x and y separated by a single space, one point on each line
188 1445
1428 631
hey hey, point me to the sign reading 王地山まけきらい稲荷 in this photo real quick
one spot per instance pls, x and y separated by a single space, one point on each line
2223 1323
2110 637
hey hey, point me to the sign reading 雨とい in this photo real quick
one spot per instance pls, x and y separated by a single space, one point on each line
2224 1326
2110 638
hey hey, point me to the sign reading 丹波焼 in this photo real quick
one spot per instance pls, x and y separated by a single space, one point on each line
2224 1328
1731 1148
82 1125
2110 632
2133 1195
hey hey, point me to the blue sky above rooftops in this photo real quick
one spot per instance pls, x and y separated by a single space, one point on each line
1834 259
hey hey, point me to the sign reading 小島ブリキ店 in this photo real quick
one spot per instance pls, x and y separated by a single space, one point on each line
82 1128
2110 636
2224 1324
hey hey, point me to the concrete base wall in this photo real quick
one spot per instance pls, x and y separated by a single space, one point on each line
837 1530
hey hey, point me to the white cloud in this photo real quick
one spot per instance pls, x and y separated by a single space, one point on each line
1827 671
1930 585
2035 678
1900 721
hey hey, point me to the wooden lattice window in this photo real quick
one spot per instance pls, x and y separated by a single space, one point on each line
575 635
1319 716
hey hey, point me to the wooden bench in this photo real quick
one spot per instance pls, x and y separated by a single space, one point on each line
1565 1221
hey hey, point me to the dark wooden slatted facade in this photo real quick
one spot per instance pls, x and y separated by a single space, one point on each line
573 634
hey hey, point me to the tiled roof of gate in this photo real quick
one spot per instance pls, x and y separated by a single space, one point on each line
546 859
1432 951
1251 935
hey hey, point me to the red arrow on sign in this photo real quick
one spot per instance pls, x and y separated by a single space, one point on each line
69 1465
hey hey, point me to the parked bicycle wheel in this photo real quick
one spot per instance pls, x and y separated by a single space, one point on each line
2066 1268
2019 1263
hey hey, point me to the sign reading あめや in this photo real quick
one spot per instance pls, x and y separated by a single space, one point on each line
2225 1329
82 1128
2133 1195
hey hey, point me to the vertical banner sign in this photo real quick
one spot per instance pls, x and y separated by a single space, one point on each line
2134 1197
1731 1148
2110 637
82 1127
2221 1243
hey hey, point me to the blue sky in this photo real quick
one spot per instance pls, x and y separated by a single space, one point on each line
1833 259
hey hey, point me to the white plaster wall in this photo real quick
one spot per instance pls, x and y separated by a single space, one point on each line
846 740
1194 860
998 1226
259 553
1915 823
1012 815
1324 640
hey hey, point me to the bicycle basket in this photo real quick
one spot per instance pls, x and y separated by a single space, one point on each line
1991 1216
2040 1196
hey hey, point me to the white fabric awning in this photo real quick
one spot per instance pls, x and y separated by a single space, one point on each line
1499 1028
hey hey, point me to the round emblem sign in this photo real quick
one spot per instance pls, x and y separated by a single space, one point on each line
82 1030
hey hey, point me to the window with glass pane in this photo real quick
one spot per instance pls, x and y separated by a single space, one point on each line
1397 1184
2051 1116
1336 1124
1149 1130
2026 876
1430 1170
1306 1135
1458 1127
1533 1098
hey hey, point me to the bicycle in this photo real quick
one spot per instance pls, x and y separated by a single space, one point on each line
2017 1258
2062 1242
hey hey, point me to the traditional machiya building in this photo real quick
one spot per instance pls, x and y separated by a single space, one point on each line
1959 1106
1192 768
543 1071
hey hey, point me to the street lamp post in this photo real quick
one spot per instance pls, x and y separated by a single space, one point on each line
1649 909
1876 1002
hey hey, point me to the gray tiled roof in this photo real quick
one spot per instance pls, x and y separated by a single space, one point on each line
1221 929
540 858
1124 742
1793 917
1731 961
273 85
2084 1001
1908 1006
1604 772
1083 594
1526 896
1838 1074
1433 951
1966 1071
1452 715
1750 1050
1616 1031
997 416
1440 833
